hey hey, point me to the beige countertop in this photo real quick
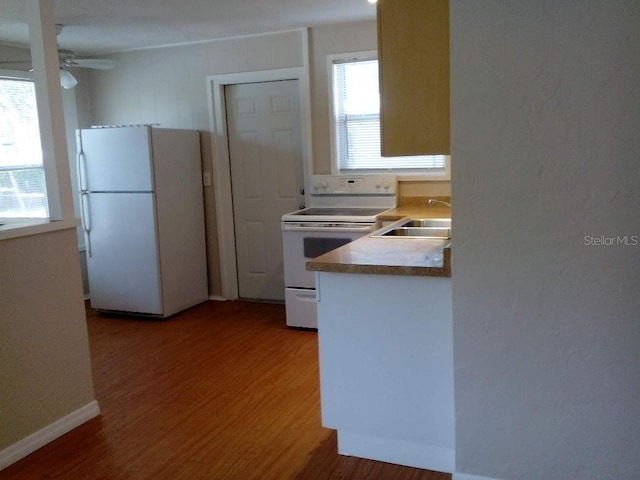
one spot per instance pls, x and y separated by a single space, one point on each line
392 256
388 256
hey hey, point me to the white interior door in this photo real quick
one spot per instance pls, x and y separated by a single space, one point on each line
265 151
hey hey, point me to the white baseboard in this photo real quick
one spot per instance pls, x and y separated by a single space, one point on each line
217 298
49 433
467 476
400 452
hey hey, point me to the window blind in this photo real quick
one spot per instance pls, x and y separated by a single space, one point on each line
357 121
22 183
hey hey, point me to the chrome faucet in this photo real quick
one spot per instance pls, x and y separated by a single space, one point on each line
434 201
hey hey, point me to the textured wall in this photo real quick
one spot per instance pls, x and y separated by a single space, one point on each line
546 149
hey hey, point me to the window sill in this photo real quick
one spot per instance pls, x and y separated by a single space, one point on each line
15 228
404 176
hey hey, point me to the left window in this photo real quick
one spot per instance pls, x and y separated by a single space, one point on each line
22 184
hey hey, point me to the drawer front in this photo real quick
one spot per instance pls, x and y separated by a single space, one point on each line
301 308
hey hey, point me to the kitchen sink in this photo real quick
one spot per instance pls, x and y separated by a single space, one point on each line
439 228
428 223
418 232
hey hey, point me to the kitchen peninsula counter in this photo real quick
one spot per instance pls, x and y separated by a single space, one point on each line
393 256
388 256
385 342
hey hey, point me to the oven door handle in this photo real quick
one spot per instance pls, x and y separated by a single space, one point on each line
298 228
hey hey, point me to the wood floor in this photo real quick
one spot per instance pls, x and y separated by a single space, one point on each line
223 391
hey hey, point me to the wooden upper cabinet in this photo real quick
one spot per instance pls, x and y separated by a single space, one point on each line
413 51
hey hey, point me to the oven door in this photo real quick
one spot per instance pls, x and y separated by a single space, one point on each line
301 242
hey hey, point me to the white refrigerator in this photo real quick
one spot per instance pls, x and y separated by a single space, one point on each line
142 212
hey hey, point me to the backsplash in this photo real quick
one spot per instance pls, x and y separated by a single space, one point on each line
418 201
424 189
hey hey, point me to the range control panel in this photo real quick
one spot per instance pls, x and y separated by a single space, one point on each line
353 185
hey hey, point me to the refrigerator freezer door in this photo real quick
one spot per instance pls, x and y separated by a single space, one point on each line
115 160
123 266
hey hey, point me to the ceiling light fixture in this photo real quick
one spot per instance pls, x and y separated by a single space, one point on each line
67 80
372 1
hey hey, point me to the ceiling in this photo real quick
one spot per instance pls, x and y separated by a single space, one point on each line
107 26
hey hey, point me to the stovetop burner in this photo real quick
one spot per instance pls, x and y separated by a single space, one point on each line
346 198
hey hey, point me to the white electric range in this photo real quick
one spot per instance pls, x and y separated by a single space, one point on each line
341 209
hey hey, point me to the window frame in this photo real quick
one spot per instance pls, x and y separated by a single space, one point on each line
436 174
19 75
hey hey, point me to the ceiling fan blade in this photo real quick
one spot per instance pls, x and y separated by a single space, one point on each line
15 62
95 63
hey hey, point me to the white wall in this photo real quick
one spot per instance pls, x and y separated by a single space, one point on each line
546 148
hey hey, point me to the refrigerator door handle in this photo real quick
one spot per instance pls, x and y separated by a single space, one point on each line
80 165
85 216
82 184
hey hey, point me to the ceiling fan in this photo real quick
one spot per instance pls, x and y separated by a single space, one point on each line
68 59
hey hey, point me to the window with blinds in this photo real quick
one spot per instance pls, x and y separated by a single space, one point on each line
356 107
22 183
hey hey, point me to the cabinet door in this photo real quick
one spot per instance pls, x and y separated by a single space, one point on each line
413 49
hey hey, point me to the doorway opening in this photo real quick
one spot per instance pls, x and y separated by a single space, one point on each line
222 176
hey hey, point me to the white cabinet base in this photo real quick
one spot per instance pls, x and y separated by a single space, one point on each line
400 452
386 367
